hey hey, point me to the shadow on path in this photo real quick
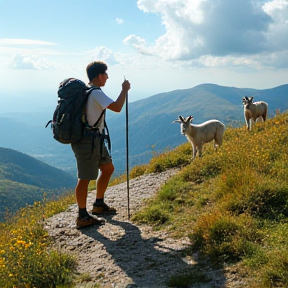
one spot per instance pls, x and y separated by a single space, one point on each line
147 262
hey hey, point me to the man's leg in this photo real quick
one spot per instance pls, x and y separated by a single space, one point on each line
81 191
87 167
84 219
99 206
106 171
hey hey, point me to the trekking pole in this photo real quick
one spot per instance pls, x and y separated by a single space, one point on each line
127 157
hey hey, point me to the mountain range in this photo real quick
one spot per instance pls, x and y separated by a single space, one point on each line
150 120
150 128
33 164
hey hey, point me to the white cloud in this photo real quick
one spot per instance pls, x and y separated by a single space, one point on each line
27 54
18 61
24 42
32 54
278 29
201 29
102 53
119 21
139 44
134 41
277 60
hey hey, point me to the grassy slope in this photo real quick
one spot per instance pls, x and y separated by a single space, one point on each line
232 204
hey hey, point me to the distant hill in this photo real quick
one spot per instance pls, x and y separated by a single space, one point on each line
150 123
150 119
24 180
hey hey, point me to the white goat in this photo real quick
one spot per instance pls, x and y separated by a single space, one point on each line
252 111
202 133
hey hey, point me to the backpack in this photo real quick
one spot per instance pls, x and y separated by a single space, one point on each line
69 118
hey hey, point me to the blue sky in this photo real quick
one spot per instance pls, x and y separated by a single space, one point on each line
159 45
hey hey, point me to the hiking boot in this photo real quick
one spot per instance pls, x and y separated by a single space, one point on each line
103 209
88 221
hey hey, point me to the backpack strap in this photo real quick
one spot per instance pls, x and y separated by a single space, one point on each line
106 137
96 123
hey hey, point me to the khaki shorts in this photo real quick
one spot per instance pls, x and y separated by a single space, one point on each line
88 159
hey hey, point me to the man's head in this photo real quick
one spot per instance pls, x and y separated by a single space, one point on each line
95 68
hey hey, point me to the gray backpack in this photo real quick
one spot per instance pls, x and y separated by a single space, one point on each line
69 118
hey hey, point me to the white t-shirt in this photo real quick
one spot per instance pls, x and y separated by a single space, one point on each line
96 103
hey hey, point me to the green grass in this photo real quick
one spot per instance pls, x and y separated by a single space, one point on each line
231 203
26 258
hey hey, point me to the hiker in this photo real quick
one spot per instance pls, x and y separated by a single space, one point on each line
91 154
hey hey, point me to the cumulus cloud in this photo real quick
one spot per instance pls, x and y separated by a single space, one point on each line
18 61
139 44
104 54
27 54
277 33
196 29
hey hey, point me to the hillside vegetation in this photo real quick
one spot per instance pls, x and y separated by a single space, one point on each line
19 167
24 179
232 204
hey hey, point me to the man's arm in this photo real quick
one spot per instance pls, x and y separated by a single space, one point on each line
117 105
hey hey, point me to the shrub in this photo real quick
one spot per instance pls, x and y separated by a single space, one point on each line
220 235
154 214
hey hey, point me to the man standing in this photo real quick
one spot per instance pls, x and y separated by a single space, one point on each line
91 153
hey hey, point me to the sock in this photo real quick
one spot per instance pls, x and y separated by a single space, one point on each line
83 213
98 202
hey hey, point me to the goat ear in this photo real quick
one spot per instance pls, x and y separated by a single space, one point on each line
177 121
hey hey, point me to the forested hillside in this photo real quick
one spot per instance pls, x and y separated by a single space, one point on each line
24 180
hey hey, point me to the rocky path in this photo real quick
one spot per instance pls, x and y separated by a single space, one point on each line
120 254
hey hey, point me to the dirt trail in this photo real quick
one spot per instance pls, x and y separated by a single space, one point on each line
121 254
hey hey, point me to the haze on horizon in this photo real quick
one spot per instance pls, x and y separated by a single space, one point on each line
159 45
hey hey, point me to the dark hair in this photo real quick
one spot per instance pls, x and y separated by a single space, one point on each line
95 68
